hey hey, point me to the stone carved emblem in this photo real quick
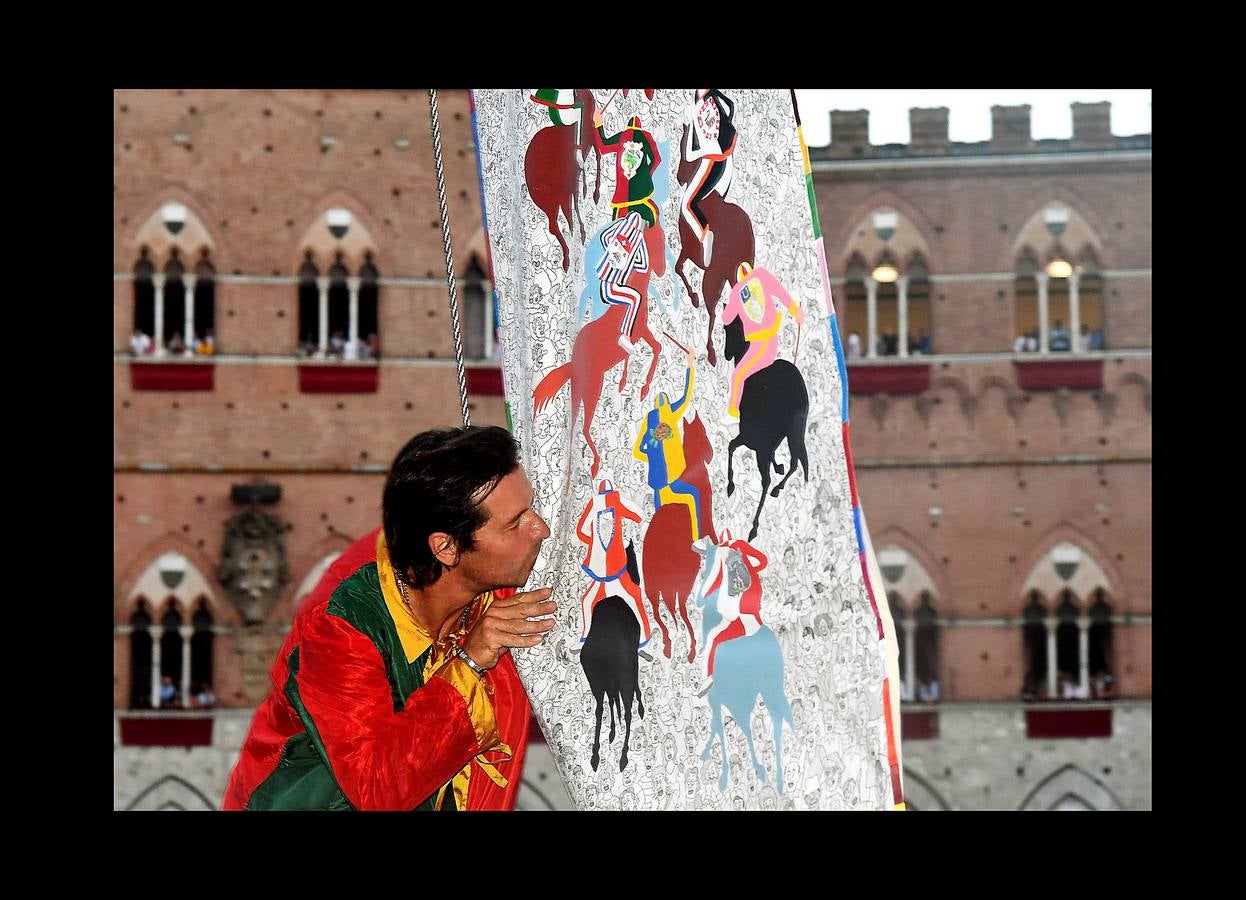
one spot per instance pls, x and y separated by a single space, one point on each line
253 566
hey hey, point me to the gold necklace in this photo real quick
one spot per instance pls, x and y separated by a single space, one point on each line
402 589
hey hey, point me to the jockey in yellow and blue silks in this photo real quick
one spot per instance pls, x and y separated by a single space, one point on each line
661 445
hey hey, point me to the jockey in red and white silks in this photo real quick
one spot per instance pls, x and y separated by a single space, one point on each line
733 583
626 252
606 558
758 300
711 139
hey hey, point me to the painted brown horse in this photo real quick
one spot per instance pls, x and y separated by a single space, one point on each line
733 244
670 562
555 182
597 351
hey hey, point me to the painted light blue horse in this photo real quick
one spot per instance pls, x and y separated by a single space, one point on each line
743 668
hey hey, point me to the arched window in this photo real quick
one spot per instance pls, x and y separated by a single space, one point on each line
1034 641
309 307
339 307
474 311
1102 680
204 313
369 339
898 619
140 657
144 304
1090 336
174 305
926 651
171 654
1068 663
853 311
201 649
920 328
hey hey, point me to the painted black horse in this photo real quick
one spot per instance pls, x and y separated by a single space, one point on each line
773 406
612 665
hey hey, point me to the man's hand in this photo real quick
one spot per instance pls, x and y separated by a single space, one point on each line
799 315
597 118
505 624
690 356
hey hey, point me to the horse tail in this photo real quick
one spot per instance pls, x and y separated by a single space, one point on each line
550 385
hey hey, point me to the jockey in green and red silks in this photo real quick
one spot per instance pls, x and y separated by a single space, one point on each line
636 159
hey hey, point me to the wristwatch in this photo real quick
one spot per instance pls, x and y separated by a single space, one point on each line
471 663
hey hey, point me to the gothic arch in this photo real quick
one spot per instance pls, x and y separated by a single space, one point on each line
1085 226
1071 781
919 794
1065 532
360 236
893 534
846 237
196 234
140 577
171 792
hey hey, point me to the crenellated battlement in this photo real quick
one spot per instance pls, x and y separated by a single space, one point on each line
1011 132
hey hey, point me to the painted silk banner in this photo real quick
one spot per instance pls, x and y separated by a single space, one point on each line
673 374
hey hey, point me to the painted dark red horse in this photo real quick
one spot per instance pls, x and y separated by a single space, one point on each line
733 244
555 181
597 351
669 562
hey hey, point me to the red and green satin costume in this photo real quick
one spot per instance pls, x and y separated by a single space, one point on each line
368 712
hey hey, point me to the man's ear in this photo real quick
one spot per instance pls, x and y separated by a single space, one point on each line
444 548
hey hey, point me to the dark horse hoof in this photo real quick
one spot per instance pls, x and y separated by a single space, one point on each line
730 488
774 492
778 467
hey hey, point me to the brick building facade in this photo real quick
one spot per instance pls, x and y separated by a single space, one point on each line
272 212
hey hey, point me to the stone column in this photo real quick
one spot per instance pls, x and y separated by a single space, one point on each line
871 314
156 632
186 631
322 346
910 659
1042 279
1075 315
157 281
902 283
1083 654
1052 687
352 336
188 331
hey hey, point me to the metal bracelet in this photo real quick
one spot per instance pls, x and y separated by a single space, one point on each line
471 663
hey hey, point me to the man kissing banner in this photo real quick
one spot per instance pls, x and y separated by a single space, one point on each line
674 376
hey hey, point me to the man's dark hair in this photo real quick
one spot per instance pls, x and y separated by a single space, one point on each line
438 482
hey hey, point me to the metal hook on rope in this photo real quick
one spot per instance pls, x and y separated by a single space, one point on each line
445 235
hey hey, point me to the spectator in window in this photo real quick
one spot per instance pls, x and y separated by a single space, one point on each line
854 345
337 343
1031 341
1096 340
140 343
1060 339
176 345
207 345
168 692
1019 345
373 346
205 699
923 346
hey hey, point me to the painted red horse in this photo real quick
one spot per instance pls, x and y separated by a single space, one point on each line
597 351
733 244
669 563
555 182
